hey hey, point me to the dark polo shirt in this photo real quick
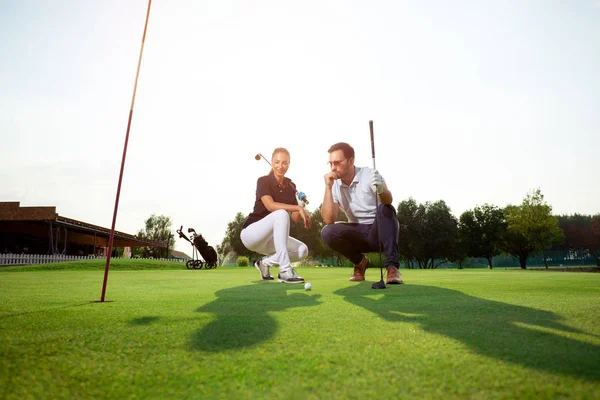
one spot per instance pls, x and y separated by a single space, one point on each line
268 186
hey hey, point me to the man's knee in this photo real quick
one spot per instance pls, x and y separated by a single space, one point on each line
327 234
387 210
389 221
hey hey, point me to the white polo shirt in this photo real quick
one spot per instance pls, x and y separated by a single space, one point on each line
357 200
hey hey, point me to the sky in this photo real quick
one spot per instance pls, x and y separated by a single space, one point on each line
473 102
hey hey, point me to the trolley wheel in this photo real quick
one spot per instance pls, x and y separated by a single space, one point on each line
189 264
197 264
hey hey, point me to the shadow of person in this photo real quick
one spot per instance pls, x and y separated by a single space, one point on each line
242 315
520 335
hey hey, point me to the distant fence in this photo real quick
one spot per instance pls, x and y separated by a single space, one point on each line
26 259
554 258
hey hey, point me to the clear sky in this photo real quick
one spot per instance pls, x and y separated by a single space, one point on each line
473 102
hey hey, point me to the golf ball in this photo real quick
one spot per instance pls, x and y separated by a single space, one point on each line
307 286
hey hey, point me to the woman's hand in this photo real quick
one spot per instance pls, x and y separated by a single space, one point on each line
305 217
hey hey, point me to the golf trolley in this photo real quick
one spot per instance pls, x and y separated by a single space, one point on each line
199 248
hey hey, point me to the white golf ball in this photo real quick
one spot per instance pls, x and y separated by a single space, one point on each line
307 286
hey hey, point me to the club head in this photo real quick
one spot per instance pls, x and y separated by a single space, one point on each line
259 156
378 285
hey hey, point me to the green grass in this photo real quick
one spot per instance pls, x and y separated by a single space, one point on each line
204 334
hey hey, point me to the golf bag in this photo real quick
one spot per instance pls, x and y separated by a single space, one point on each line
208 252
199 247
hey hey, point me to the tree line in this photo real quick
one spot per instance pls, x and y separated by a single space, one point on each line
430 235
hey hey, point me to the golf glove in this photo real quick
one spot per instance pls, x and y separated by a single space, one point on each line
377 181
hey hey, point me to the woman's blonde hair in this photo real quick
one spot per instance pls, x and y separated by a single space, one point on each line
280 150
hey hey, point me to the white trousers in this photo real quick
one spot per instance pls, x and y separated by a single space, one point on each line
271 236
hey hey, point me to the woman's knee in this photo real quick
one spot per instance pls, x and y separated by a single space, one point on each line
302 251
281 215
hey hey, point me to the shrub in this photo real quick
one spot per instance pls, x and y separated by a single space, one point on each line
242 261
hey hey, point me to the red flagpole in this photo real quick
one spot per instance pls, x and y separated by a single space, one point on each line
112 229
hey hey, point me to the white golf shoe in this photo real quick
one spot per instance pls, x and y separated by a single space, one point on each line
289 276
264 270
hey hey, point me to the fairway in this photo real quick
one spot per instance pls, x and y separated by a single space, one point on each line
223 334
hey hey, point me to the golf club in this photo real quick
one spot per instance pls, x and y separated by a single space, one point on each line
381 283
259 155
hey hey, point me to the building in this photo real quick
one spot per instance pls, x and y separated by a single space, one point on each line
40 230
180 255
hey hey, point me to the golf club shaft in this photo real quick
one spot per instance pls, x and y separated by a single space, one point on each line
114 220
372 143
376 199
263 157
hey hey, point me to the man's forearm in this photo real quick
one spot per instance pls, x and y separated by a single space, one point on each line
328 209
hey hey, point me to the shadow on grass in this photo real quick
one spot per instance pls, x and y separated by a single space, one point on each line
520 335
242 316
143 321
43 311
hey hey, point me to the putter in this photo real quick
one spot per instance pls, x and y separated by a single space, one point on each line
381 283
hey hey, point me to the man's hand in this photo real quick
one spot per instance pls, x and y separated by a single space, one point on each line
377 181
329 178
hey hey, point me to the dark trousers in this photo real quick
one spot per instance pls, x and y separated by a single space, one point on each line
353 240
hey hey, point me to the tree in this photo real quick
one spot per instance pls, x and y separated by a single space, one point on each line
408 230
574 228
232 241
460 248
481 230
594 239
581 235
158 228
530 227
441 230
427 232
